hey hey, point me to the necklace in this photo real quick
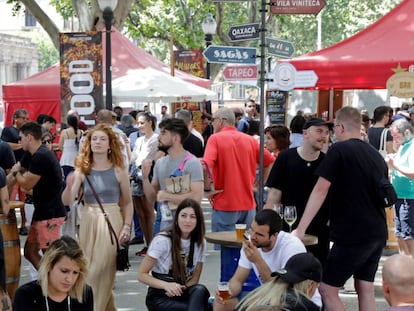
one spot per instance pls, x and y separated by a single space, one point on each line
47 303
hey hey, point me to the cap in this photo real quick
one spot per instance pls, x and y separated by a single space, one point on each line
316 122
300 267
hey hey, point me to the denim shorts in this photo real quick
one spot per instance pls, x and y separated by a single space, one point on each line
404 219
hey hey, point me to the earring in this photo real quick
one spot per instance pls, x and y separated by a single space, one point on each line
109 151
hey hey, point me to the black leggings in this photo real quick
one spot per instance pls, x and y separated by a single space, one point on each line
194 297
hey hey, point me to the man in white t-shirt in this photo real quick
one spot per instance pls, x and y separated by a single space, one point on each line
268 250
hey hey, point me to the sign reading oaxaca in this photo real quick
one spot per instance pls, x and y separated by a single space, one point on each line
244 32
296 6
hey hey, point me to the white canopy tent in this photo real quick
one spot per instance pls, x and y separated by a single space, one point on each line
151 85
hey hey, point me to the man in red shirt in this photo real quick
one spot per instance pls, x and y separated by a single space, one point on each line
232 157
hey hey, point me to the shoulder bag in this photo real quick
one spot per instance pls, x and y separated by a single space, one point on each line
383 143
122 259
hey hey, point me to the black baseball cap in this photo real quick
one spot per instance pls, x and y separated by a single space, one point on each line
317 122
300 267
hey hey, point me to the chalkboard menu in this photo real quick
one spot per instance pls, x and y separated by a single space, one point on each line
276 106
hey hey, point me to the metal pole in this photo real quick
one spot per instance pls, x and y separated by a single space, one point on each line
209 39
262 100
107 16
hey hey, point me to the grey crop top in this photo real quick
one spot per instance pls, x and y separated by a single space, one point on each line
106 186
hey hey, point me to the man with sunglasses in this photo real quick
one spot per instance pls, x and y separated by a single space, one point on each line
10 134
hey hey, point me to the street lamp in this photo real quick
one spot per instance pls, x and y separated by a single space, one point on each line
108 7
209 28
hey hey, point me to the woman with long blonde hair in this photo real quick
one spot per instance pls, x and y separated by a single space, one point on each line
101 161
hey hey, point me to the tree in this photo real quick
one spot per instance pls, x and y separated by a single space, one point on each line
87 11
152 22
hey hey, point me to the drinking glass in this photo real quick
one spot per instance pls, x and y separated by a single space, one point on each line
223 288
278 208
290 215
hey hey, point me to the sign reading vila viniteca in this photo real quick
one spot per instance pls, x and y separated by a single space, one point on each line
296 6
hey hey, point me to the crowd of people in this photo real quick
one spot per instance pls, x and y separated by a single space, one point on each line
147 177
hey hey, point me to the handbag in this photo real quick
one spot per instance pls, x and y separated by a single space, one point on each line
383 143
122 258
178 182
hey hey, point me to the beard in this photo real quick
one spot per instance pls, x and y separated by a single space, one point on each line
164 148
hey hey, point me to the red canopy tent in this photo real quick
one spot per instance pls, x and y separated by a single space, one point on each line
40 93
365 60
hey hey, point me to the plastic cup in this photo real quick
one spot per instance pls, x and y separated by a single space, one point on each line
223 288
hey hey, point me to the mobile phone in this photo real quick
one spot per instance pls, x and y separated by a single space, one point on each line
246 236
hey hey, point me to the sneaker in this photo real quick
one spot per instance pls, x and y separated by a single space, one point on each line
23 231
136 240
142 252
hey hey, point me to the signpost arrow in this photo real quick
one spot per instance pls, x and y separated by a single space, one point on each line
240 73
230 54
286 77
244 32
306 78
280 48
296 7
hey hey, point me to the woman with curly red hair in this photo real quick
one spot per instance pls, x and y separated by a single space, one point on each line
101 161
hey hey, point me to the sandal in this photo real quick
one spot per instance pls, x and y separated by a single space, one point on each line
142 252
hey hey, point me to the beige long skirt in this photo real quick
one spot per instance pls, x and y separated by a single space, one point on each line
96 244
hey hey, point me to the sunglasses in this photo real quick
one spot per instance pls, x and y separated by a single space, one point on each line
47 141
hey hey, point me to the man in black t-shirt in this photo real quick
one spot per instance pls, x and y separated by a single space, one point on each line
10 135
44 176
350 172
292 179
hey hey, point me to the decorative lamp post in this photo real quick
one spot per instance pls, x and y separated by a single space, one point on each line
209 28
108 7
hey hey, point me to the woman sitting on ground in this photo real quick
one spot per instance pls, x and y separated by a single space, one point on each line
62 281
291 289
173 264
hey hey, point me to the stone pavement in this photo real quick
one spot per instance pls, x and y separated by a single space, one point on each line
130 294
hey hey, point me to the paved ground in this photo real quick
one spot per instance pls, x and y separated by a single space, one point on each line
130 294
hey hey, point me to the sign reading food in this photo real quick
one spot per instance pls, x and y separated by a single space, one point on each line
81 74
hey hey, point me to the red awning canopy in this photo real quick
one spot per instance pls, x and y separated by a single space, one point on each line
365 60
40 93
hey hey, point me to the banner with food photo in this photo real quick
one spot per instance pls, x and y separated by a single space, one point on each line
81 73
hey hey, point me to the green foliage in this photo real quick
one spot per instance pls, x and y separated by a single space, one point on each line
64 7
48 55
151 22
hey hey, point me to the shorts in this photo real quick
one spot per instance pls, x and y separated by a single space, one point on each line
44 232
344 261
137 189
404 219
